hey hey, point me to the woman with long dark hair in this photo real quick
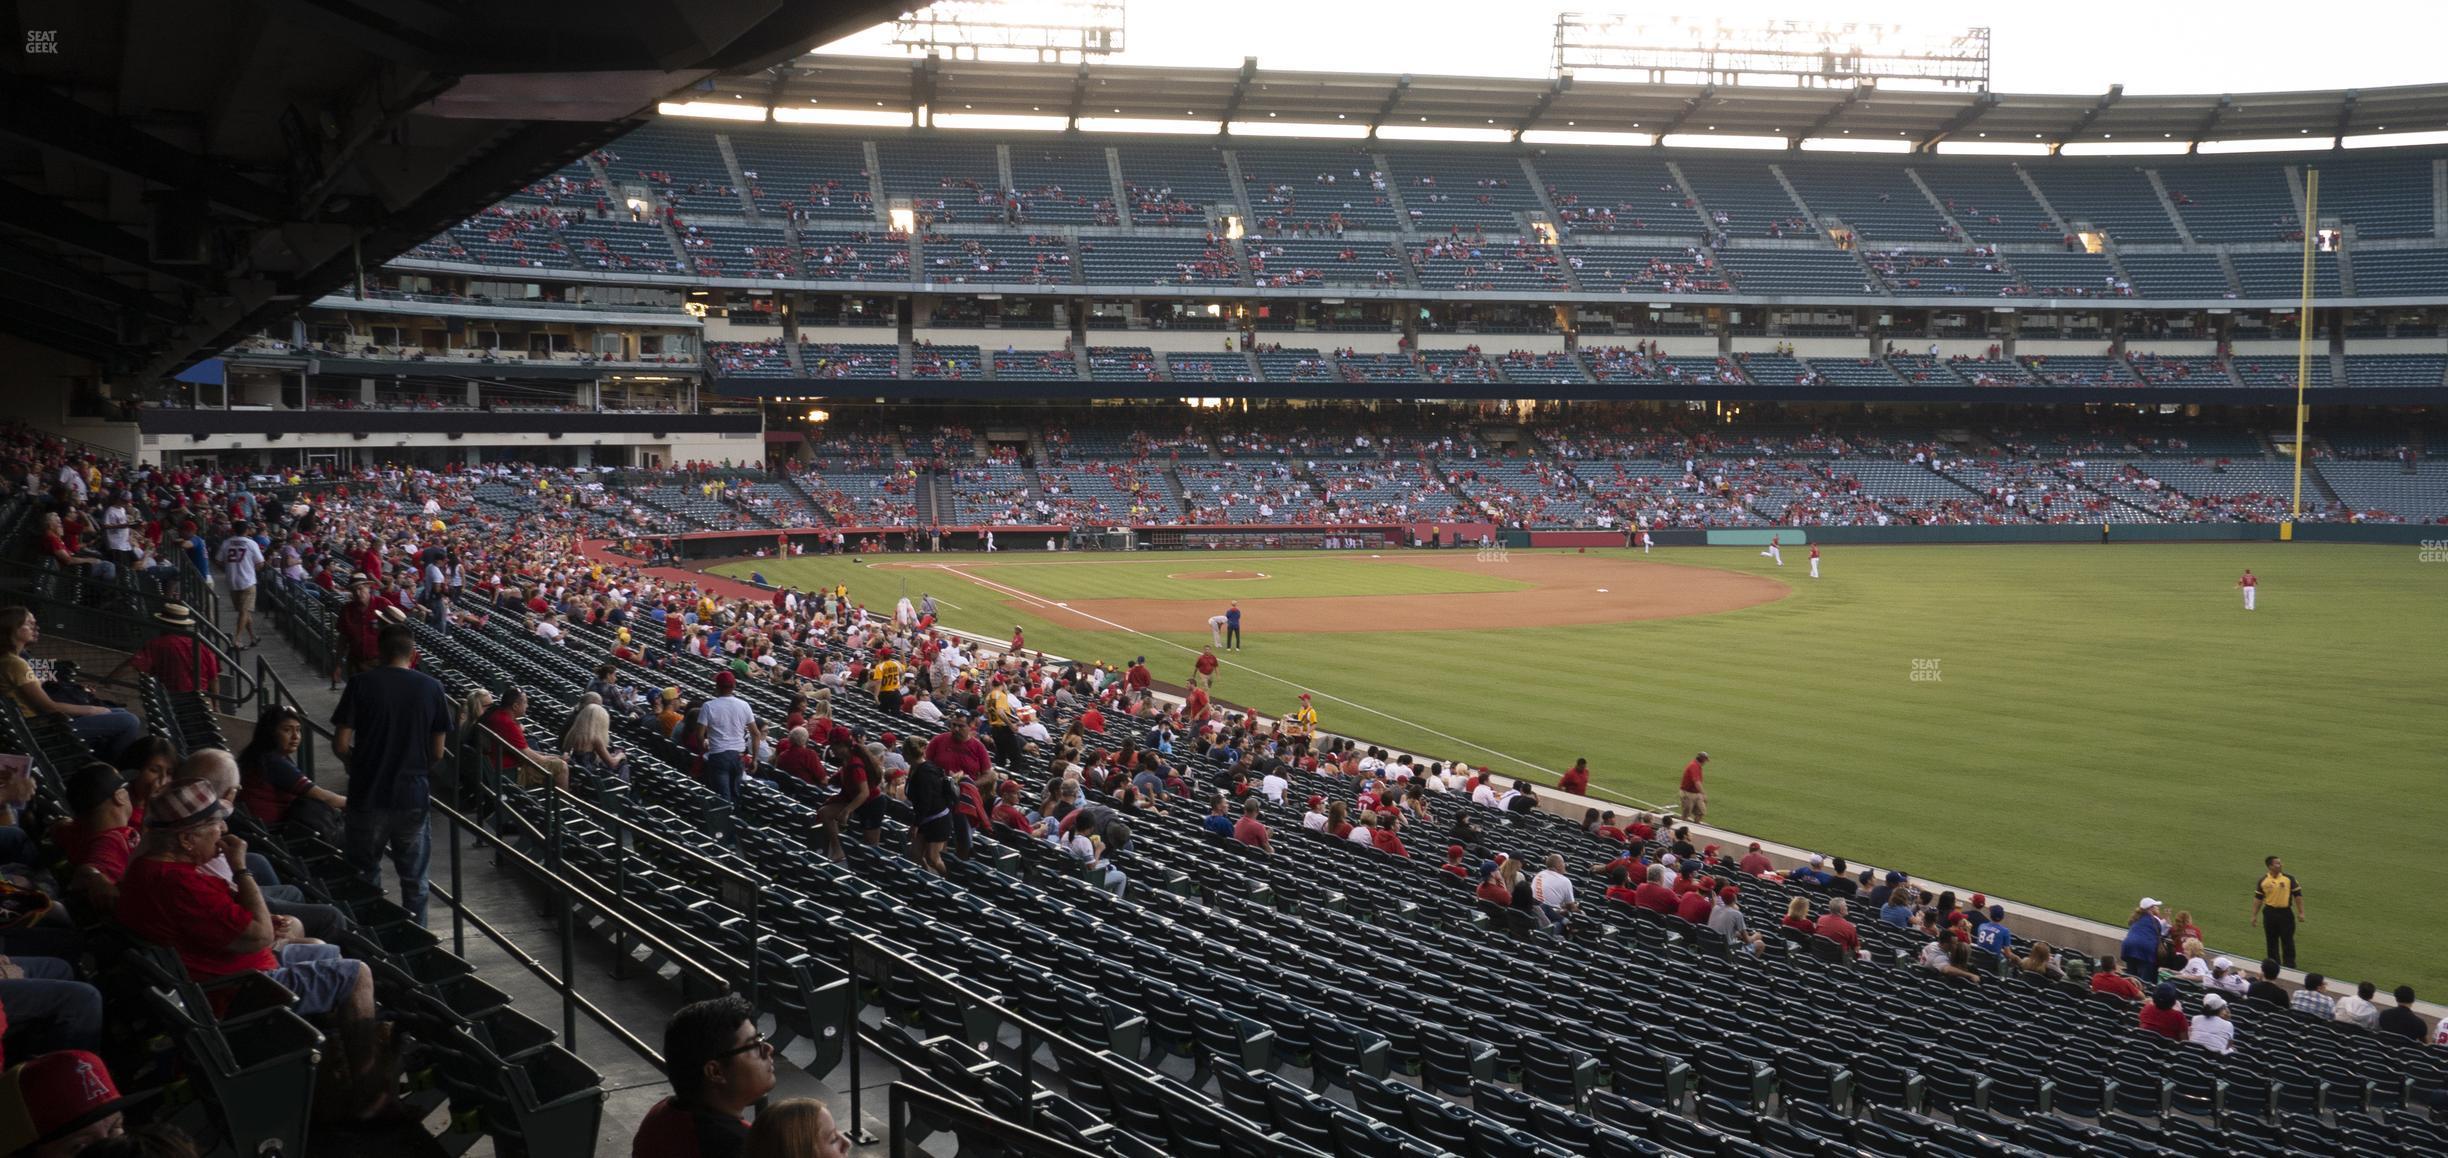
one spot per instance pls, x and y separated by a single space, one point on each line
269 779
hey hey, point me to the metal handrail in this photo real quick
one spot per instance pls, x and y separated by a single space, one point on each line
903 1100
572 1002
120 630
479 754
861 948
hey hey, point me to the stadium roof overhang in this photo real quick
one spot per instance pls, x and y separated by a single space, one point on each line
1511 105
173 175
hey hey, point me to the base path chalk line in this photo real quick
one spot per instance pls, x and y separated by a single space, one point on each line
1314 692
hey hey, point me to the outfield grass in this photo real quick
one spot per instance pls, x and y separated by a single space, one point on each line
2105 722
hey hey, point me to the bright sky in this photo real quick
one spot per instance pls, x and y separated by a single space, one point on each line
2239 46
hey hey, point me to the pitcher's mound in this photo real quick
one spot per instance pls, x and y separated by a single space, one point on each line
1210 576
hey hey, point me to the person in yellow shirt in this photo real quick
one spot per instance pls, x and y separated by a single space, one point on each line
2277 906
888 673
1304 721
1000 710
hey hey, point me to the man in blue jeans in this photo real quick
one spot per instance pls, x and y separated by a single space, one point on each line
392 725
731 729
48 1008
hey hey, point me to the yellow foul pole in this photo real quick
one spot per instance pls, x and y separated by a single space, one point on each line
2303 343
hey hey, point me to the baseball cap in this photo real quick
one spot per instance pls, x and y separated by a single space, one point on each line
1980 901
1454 851
725 681
1709 851
57 1094
1755 846
2221 964
1816 860
2150 903
1314 801
184 805
2213 1002
1996 912
1728 894
91 785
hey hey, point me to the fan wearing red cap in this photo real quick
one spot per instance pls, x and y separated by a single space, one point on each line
60 1103
1755 863
1304 721
1454 863
732 734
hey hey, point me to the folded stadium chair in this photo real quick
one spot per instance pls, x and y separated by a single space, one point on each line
1303 1116
258 1072
1728 1074
2142 1091
2020 1091
1613 1143
1249 1092
1878 1081
1227 1039
2199 1092
1503 1104
1801 1076
1356 1136
1341 1048
1650 1076
1441 1123
1558 1074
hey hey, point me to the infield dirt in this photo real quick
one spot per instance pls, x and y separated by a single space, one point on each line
1566 590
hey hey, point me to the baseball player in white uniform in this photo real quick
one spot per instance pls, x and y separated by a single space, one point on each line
1215 631
2248 584
1644 540
1814 560
1774 551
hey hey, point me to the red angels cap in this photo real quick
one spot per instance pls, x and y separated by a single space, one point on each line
1454 851
725 681
1728 894
54 1095
1314 801
1304 697
1755 846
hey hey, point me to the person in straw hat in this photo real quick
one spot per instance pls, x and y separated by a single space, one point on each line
175 657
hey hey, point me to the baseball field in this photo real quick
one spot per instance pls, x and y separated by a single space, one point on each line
2068 726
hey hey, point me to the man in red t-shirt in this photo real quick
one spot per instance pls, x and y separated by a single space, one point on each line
719 1065
1576 779
1007 806
2112 979
1092 721
1695 905
1138 678
1835 927
174 657
1695 801
798 757
1755 863
959 751
1653 894
1203 672
99 842
1249 829
1453 861
222 928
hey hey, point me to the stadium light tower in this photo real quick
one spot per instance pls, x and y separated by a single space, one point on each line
1050 31
1800 52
